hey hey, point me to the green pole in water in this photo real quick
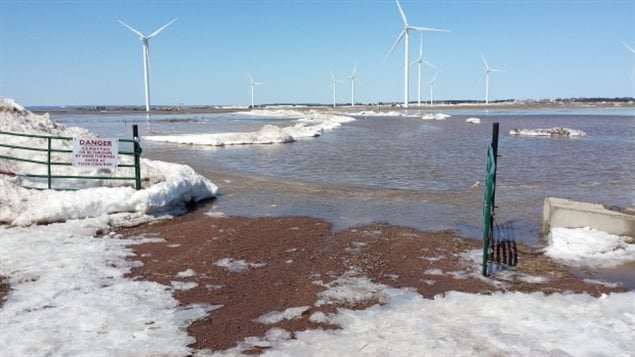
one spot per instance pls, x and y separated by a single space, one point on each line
489 192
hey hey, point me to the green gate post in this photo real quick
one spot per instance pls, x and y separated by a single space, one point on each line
48 162
137 153
489 194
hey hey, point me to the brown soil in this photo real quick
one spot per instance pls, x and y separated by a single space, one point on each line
290 254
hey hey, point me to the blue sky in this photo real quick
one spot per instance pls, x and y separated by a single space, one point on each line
74 52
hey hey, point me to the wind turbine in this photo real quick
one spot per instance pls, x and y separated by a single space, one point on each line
352 78
419 62
632 74
405 35
252 84
432 84
334 83
488 70
146 56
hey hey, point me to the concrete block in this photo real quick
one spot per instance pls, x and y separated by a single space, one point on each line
560 212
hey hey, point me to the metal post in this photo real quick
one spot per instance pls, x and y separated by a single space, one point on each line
495 251
137 153
495 149
48 162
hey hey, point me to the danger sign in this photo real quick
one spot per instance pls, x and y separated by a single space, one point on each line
97 153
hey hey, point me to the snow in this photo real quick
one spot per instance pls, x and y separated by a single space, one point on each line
69 294
350 289
166 186
460 324
435 116
277 316
237 265
372 113
188 273
585 247
176 185
308 124
556 131
473 120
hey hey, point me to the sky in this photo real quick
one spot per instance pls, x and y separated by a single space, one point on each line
75 52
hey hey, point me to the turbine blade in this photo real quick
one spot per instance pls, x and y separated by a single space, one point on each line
403 15
395 44
430 65
629 47
484 61
422 29
354 69
415 62
421 46
332 75
132 29
161 29
250 78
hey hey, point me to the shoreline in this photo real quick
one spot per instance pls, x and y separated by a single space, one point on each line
340 107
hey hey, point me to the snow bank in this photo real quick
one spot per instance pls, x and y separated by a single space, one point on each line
16 119
435 116
268 134
372 113
273 113
69 296
556 131
166 186
585 247
466 325
309 124
428 116
176 185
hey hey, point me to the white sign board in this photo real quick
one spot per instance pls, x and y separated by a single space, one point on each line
96 153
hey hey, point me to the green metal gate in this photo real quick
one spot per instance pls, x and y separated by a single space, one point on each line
49 149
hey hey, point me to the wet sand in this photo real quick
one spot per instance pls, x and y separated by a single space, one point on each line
290 260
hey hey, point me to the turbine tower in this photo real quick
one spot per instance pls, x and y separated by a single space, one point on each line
633 73
146 56
488 70
405 34
420 61
252 84
352 78
433 85
334 83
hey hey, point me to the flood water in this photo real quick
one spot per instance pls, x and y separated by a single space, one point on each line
403 170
